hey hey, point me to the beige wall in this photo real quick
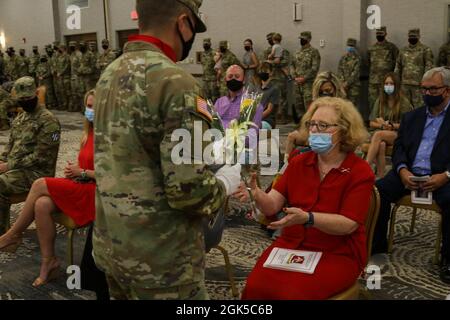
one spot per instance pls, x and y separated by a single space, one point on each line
37 28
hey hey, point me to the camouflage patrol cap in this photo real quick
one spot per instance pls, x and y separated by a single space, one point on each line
306 35
25 88
72 43
414 33
351 42
62 46
223 43
82 43
105 41
11 49
194 6
35 47
207 40
22 50
382 31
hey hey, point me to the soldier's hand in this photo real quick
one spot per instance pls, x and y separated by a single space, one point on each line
3 167
231 177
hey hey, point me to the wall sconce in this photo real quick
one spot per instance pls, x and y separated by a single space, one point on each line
298 12
2 41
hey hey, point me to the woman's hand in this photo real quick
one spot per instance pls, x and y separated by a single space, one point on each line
294 216
72 171
242 193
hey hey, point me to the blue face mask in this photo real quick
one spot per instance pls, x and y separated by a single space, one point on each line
351 50
389 89
89 114
321 143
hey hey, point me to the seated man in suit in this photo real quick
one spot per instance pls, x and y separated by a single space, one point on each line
422 149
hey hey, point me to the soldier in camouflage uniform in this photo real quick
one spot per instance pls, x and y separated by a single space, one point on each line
94 49
51 77
63 77
412 63
106 58
265 54
12 65
228 59
306 66
24 63
210 88
148 235
76 86
34 62
6 105
32 150
44 76
87 69
382 57
2 68
349 72
444 55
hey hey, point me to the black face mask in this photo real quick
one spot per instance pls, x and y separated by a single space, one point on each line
10 54
206 47
271 42
43 60
22 54
235 85
105 47
223 49
413 41
326 94
28 105
303 42
264 76
71 49
83 49
187 45
247 48
433 101
35 52
381 38
50 53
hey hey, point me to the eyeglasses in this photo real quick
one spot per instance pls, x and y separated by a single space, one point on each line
321 126
432 90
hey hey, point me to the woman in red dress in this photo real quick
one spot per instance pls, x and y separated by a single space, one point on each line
73 195
327 194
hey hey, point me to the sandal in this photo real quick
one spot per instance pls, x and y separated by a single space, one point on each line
53 274
13 246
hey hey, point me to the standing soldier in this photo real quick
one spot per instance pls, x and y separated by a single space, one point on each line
209 73
349 72
23 64
87 68
148 235
63 77
266 53
382 58
412 63
76 86
34 61
94 49
2 67
44 76
227 59
51 64
12 65
6 104
306 66
32 149
444 55
106 58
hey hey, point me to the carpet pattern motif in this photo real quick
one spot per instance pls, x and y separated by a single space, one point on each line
407 274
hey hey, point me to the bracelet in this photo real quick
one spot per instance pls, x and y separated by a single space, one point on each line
84 175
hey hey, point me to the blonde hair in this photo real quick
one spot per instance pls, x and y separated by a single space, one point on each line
330 77
350 122
88 126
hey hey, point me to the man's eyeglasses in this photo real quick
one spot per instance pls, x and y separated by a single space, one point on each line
431 90
321 126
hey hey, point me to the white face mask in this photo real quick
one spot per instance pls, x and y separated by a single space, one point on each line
389 89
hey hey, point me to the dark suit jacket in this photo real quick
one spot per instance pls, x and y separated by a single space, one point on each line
409 138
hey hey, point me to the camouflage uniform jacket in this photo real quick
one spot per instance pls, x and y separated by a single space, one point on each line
413 62
87 64
228 59
444 55
149 211
34 62
63 65
382 58
209 74
34 142
23 64
349 70
43 70
307 63
105 59
12 68
75 59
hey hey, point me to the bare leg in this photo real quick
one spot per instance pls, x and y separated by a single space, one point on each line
38 190
381 160
46 231
374 147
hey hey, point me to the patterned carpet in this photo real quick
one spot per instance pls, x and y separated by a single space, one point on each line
407 274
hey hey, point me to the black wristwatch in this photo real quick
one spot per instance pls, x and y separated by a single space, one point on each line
310 221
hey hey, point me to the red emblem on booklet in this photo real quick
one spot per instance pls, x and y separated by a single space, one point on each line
296 259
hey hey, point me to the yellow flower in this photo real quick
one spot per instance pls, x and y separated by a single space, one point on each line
246 103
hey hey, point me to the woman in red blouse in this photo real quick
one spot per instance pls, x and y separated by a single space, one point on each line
325 194
73 195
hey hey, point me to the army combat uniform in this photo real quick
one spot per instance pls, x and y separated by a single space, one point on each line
444 55
412 63
12 67
349 71
87 69
31 152
148 234
106 58
34 62
210 88
382 57
306 64
6 103
76 86
228 59
45 78
23 63
62 70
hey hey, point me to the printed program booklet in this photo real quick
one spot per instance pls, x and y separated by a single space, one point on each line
293 260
